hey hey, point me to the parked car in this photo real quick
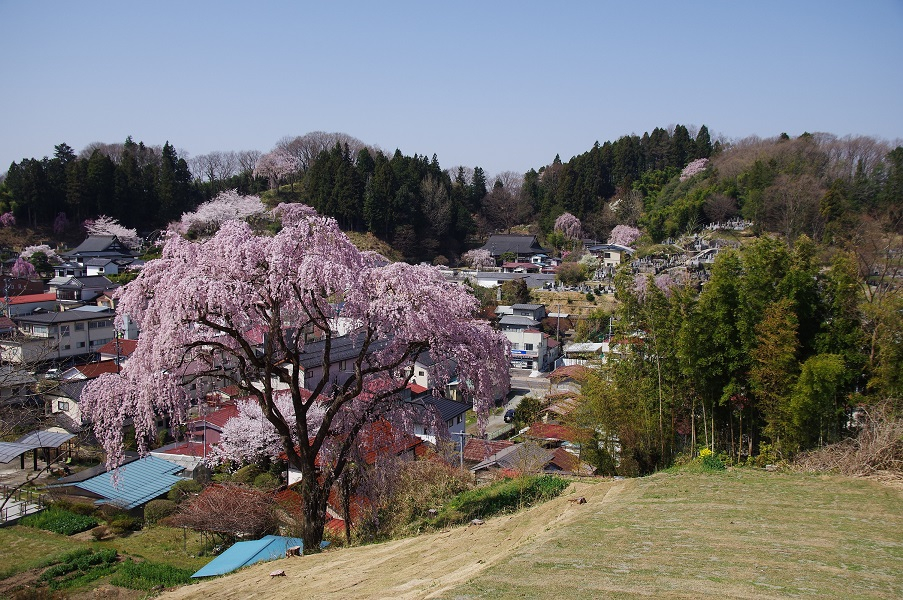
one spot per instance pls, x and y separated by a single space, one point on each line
509 415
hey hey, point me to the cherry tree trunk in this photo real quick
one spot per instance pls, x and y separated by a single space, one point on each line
314 510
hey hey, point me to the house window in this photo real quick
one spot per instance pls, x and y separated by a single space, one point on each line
79 326
420 373
528 346
460 418
64 330
66 347
62 405
80 345
515 346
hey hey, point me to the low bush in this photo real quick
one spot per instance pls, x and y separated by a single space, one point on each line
158 509
184 489
246 475
148 575
59 520
99 532
123 523
266 481
499 497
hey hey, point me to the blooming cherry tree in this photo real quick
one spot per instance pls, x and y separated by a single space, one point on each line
694 168
478 259
624 235
104 225
201 301
60 223
22 268
49 252
213 213
569 226
276 165
7 219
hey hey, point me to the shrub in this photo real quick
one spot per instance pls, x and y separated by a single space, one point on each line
148 575
59 521
501 496
266 481
246 475
158 509
124 523
99 532
183 489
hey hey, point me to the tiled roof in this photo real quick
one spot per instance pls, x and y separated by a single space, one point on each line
479 450
218 417
92 370
551 431
32 298
126 347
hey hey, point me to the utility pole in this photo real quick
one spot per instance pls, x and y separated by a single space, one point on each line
461 435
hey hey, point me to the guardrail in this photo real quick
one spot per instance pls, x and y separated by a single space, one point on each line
21 502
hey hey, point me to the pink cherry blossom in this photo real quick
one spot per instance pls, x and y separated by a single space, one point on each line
7 219
624 235
211 214
22 268
694 168
569 226
198 303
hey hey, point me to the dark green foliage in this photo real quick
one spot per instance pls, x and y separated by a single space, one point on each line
80 567
529 410
158 509
515 291
266 481
246 475
499 497
59 521
184 489
147 575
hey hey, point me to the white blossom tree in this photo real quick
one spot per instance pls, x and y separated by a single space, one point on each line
104 225
224 207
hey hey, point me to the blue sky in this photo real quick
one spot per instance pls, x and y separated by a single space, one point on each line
501 85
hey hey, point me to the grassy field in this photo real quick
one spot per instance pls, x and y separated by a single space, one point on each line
739 534
735 534
26 550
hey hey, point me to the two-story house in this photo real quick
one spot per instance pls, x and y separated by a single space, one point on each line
58 336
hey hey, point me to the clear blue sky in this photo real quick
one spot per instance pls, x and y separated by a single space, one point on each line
501 85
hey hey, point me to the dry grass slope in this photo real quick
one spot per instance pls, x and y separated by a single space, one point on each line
739 534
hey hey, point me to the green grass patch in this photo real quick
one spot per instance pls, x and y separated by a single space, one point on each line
80 567
501 496
59 520
147 575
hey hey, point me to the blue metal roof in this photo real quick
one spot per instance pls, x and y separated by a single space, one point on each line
242 554
136 483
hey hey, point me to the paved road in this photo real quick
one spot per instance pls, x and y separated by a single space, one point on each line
521 385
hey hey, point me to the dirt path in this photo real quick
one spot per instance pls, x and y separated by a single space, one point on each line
396 569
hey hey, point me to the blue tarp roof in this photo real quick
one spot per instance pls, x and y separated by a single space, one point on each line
242 554
136 483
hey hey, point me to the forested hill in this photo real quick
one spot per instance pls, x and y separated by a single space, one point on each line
815 184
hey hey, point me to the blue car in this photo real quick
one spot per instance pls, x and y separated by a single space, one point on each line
509 415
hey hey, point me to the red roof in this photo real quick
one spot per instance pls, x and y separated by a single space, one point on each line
416 389
33 298
7 323
479 450
550 431
218 417
126 347
381 438
190 449
92 370
564 460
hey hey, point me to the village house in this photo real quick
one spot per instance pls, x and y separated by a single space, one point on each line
98 246
29 303
523 247
58 336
